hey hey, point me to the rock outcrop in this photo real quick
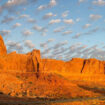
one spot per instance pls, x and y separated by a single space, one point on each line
3 50
35 59
30 76
75 66
14 62
32 62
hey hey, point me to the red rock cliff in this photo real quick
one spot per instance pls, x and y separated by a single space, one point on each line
14 62
75 66
3 49
32 62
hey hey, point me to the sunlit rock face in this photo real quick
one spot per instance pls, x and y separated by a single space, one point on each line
93 66
32 62
29 75
35 60
14 62
3 50
75 66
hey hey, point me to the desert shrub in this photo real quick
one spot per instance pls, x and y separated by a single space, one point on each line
18 76
24 93
30 82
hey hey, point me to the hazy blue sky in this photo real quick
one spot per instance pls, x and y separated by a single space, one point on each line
61 29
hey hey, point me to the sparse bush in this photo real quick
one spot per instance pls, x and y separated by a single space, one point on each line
30 82
18 76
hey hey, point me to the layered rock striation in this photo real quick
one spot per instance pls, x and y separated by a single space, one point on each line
75 66
13 62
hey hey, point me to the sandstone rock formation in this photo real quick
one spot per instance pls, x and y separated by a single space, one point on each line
14 62
29 75
32 62
3 50
75 66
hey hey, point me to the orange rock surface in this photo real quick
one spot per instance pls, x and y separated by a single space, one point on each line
32 62
75 66
3 50
14 62
29 75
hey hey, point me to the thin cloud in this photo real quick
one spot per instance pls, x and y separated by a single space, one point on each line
65 14
82 1
12 45
86 26
48 15
24 16
7 19
95 17
29 44
27 33
67 32
53 21
17 25
99 2
77 35
13 5
78 20
5 32
31 20
51 4
58 29
68 21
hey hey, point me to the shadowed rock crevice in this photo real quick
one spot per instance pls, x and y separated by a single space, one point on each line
83 66
93 89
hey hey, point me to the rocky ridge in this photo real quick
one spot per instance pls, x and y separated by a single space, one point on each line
28 75
32 62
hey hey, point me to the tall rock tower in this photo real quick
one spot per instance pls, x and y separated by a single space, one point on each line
3 50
